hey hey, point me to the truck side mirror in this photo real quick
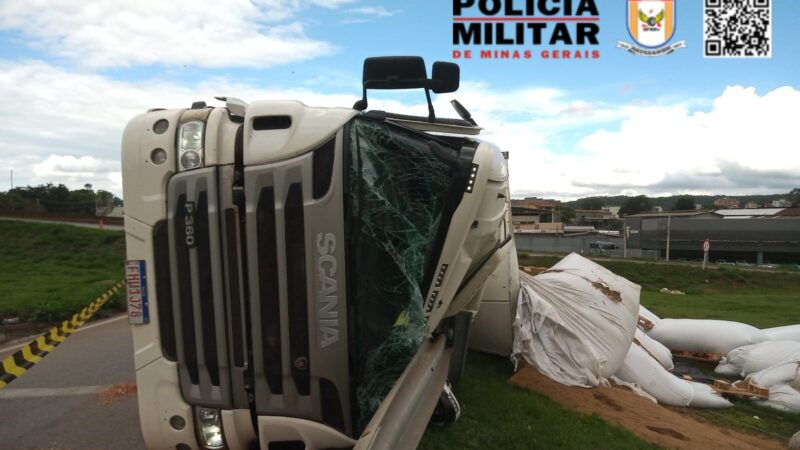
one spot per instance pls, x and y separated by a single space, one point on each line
448 76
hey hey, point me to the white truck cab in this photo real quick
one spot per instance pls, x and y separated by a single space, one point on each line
310 275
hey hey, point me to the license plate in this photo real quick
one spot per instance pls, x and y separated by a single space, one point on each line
136 287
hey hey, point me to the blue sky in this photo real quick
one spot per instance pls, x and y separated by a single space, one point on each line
73 73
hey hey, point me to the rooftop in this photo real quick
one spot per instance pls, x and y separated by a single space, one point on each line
750 212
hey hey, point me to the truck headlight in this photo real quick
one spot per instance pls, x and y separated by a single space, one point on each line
210 424
190 145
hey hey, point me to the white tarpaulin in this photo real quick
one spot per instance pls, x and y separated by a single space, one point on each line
753 358
787 333
576 321
705 336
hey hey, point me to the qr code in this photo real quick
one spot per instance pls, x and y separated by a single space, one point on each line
737 28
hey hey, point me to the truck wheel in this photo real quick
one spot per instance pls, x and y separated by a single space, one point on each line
447 408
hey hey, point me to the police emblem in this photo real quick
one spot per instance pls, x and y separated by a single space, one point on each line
651 24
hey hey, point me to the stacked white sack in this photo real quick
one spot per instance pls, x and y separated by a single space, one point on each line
753 358
784 373
644 371
647 314
655 349
575 322
705 397
783 397
787 333
641 369
705 336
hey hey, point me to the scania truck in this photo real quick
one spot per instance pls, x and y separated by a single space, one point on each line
311 278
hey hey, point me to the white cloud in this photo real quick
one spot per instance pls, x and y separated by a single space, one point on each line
375 11
110 33
332 4
65 127
368 14
77 171
745 144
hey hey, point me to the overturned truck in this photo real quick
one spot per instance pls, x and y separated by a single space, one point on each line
309 277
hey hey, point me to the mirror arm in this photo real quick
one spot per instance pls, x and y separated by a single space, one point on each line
431 112
362 104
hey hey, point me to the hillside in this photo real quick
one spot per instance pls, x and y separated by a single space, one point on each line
667 202
50 271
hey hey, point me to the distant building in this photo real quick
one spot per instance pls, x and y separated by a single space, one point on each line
751 213
755 235
752 205
782 203
598 218
726 202
697 214
536 203
545 211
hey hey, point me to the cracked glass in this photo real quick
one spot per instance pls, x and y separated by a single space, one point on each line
396 195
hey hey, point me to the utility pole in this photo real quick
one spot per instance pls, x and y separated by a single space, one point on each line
625 232
12 178
669 223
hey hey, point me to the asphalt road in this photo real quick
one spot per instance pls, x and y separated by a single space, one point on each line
60 402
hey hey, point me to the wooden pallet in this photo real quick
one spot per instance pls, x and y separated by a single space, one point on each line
743 388
698 356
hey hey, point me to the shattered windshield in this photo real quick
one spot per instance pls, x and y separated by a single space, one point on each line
396 193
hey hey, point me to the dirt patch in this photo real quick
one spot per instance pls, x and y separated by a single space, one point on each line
652 422
117 392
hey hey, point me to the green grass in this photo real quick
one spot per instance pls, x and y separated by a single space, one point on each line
761 308
759 298
49 272
498 415
750 416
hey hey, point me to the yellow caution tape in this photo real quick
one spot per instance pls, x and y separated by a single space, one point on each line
16 365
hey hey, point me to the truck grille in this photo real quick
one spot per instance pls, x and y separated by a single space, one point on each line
295 373
198 288
295 358
269 304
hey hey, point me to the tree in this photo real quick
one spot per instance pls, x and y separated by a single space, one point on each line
794 197
635 205
593 203
684 203
565 213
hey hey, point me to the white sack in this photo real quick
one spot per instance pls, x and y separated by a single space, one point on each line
782 397
647 314
705 336
753 358
787 333
655 349
784 373
575 322
706 397
641 369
